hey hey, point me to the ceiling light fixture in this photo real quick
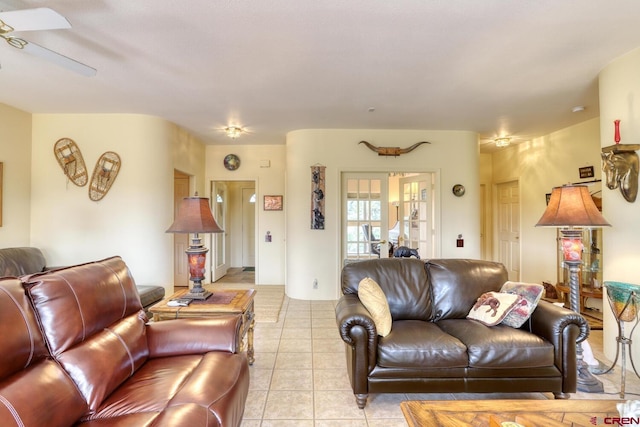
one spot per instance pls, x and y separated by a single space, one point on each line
503 141
233 131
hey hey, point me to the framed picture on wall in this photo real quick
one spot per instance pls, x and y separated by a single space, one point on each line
272 203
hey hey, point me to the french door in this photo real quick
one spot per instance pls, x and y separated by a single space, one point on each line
219 200
417 214
365 216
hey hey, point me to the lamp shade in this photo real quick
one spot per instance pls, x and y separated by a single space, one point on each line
571 206
194 216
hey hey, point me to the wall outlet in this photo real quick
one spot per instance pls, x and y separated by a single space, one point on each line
315 283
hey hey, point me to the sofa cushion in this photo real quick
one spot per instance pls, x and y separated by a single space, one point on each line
492 307
20 261
88 307
34 390
420 344
499 346
404 282
375 301
457 283
530 293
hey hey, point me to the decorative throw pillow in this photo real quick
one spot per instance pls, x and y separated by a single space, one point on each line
530 293
492 307
375 301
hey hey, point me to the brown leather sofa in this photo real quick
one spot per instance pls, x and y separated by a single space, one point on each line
433 348
77 350
28 260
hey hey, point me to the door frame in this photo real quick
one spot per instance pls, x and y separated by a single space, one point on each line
211 259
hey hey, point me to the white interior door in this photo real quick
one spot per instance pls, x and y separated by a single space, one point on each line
365 211
508 227
219 199
417 214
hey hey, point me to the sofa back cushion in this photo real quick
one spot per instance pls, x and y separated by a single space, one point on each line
20 261
456 284
25 370
93 322
403 280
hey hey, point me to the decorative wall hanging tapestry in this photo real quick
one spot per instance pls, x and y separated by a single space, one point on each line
104 174
317 197
70 160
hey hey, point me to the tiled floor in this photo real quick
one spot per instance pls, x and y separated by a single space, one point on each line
299 377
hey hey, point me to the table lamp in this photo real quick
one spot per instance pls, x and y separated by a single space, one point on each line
571 206
194 216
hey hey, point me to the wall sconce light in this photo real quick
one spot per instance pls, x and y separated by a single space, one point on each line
233 131
502 141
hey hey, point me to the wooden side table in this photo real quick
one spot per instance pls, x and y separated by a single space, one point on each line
222 302
584 293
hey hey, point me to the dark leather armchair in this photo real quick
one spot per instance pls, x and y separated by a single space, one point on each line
432 347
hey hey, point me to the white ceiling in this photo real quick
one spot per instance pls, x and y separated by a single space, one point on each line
490 66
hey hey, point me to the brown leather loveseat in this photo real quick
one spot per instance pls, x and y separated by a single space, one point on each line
434 348
77 350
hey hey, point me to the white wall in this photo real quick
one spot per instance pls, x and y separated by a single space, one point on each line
619 95
270 257
131 219
15 154
315 254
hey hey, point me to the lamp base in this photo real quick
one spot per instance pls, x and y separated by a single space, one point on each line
197 292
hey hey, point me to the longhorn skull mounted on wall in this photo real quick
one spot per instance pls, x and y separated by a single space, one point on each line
392 151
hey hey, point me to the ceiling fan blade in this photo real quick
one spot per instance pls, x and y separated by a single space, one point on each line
41 18
57 59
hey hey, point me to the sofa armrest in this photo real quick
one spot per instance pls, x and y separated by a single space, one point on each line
193 336
358 330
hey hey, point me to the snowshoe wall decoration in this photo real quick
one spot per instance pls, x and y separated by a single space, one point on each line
70 160
104 174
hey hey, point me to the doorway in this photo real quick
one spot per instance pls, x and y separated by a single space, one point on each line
382 210
235 207
181 186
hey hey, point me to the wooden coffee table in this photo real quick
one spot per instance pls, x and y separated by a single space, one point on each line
222 302
490 413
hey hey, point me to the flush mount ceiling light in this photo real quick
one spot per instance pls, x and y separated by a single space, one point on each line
503 141
233 131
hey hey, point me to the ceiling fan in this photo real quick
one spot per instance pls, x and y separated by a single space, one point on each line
39 19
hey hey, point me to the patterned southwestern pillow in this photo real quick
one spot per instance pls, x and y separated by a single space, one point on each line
530 293
492 307
375 301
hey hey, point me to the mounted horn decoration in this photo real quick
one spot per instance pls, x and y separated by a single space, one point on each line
392 151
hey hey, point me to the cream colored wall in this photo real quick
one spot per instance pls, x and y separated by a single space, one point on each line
539 165
15 154
270 257
316 254
131 219
619 93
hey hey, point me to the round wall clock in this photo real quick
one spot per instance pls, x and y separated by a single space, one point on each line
458 190
232 162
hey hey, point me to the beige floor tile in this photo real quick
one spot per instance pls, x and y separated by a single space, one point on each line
324 323
330 361
292 379
254 407
265 345
326 333
324 314
297 323
250 423
395 422
342 423
297 333
295 346
287 423
385 405
268 334
260 379
330 379
294 361
328 345
336 404
289 405
264 360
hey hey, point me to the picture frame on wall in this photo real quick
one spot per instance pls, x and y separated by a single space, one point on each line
272 203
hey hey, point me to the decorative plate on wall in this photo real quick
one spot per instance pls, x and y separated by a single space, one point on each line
232 162
458 190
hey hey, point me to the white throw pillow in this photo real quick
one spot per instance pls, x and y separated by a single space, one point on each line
492 307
